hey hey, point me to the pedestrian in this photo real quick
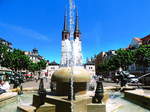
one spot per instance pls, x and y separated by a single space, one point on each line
46 76
117 81
36 78
4 86
39 75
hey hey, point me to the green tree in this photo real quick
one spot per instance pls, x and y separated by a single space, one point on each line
42 64
102 67
113 63
107 66
8 60
6 57
20 60
123 58
33 67
142 56
3 52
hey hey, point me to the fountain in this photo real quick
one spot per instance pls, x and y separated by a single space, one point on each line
70 94
71 79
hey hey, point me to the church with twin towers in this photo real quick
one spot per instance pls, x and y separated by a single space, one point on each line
71 51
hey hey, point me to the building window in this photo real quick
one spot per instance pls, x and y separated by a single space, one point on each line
90 67
52 68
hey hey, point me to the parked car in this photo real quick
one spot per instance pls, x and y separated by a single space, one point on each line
133 80
126 73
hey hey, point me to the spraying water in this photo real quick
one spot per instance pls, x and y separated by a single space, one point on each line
71 46
71 43
71 12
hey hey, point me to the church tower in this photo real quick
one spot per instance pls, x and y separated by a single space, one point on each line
66 45
71 52
77 43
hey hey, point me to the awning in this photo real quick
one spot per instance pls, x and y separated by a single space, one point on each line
9 73
2 72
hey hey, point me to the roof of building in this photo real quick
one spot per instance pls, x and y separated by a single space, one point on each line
35 49
1 39
89 63
137 39
53 63
146 37
144 40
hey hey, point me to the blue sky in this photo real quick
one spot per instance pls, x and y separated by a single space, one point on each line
105 24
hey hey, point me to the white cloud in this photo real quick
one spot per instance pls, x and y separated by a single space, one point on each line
25 31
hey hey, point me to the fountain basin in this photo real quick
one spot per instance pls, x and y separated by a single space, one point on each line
7 98
11 104
140 97
64 105
62 77
114 102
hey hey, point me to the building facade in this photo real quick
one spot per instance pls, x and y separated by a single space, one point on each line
34 55
102 56
90 68
51 68
6 43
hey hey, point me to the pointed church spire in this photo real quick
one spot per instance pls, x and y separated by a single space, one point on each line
65 32
77 22
65 22
77 30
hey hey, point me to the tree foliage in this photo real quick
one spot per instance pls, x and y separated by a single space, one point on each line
16 60
37 66
123 58
3 52
5 57
20 60
42 64
142 56
33 67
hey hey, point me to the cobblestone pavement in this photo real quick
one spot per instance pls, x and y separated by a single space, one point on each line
35 84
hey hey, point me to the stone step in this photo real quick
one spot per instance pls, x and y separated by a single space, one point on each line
43 108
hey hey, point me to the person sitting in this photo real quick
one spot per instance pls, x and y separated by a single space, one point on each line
2 90
4 85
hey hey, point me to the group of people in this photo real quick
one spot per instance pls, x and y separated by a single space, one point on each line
40 75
